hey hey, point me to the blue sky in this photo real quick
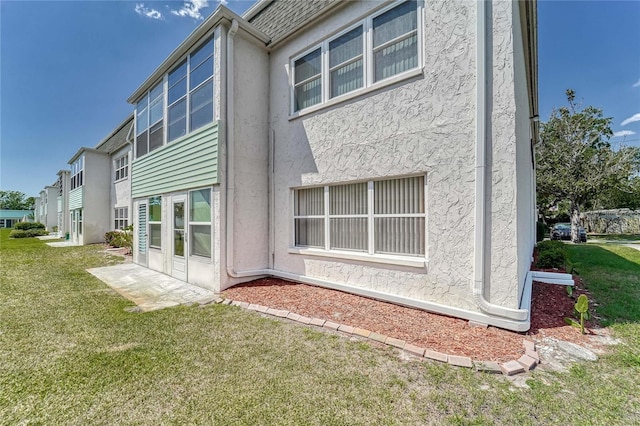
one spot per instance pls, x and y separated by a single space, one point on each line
67 68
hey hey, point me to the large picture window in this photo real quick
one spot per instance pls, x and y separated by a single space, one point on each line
200 222
189 96
379 47
155 222
375 217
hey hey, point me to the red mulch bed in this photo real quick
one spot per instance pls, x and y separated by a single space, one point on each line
550 304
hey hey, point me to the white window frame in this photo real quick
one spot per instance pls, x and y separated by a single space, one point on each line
121 216
164 81
155 222
368 56
417 261
191 223
77 173
121 167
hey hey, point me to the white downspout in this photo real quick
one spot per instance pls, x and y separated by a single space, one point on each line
230 172
481 177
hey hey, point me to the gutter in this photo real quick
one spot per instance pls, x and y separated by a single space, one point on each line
480 234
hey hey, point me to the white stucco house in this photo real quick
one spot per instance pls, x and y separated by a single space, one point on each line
46 208
382 148
99 197
63 187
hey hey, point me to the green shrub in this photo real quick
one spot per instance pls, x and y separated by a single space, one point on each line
551 254
551 259
551 245
541 231
28 225
110 236
36 232
122 238
18 233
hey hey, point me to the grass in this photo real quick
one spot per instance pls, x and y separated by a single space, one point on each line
71 354
616 237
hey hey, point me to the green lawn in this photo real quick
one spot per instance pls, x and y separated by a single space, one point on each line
71 354
616 237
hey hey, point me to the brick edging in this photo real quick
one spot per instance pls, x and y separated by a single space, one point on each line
526 362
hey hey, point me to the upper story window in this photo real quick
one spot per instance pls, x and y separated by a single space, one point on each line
77 173
188 90
380 46
122 167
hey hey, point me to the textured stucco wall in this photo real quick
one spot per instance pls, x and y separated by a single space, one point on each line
51 208
423 125
97 184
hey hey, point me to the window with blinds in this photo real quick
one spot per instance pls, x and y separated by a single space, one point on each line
375 217
378 47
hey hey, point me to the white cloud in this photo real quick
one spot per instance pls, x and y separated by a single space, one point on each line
634 117
623 133
191 9
142 10
637 84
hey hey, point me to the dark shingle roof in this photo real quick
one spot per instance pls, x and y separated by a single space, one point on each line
118 138
279 18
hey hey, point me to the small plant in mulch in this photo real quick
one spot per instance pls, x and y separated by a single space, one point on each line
582 311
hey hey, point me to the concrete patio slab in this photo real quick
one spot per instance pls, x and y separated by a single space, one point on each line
49 237
148 289
62 244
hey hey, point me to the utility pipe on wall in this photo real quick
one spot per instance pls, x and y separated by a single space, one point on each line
481 177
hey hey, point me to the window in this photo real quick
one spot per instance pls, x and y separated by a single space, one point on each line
79 221
59 185
122 167
77 173
149 121
375 217
121 217
189 94
155 222
378 47
308 80
200 222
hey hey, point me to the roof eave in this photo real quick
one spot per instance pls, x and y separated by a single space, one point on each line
82 151
128 120
220 15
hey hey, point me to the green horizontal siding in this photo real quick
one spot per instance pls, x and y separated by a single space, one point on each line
76 198
187 163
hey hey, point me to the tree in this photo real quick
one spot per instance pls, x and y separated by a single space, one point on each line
626 195
16 200
575 161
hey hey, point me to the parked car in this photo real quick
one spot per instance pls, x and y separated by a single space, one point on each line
562 231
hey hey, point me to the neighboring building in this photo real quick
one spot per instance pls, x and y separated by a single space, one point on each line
99 196
118 146
8 218
379 148
176 174
46 207
63 187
